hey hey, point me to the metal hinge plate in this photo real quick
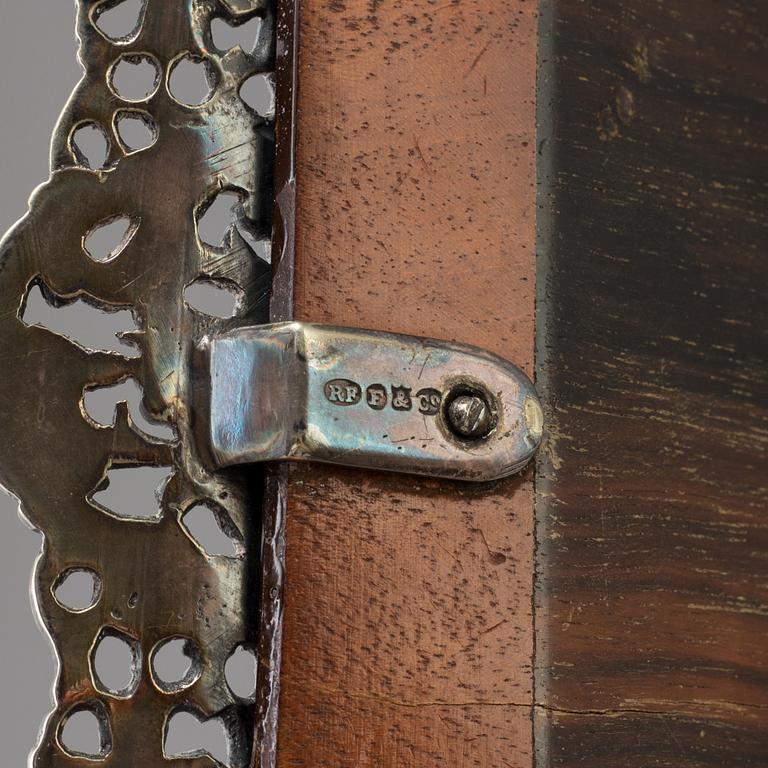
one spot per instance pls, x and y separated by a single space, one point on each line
368 399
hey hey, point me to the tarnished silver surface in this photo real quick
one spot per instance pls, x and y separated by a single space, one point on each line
155 582
366 399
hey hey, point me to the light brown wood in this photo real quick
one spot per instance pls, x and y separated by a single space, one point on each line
408 630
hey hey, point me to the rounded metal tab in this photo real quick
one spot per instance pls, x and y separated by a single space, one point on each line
369 399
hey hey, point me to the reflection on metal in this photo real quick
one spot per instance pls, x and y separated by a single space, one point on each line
154 582
368 399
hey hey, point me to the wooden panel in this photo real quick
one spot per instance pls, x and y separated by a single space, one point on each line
408 604
653 361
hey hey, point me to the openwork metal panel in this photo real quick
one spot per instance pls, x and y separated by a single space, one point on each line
152 579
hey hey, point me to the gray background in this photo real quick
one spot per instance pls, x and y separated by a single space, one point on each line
39 70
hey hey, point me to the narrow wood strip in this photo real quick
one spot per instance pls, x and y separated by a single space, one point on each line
408 630
271 562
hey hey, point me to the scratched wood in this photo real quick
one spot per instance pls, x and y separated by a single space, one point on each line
408 634
652 598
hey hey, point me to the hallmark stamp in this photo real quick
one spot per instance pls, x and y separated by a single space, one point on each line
429 401
343 392
376 397
401 398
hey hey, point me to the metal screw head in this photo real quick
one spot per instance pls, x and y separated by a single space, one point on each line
470 416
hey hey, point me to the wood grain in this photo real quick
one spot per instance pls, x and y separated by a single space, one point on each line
653 362
408 632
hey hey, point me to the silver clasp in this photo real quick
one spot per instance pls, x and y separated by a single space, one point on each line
369 399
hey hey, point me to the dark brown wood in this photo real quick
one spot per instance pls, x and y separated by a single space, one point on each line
408 630
652 594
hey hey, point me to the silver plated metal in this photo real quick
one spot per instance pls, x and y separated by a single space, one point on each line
368 399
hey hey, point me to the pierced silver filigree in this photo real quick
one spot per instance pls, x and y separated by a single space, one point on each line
154 581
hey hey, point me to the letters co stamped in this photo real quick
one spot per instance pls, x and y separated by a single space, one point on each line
345 392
